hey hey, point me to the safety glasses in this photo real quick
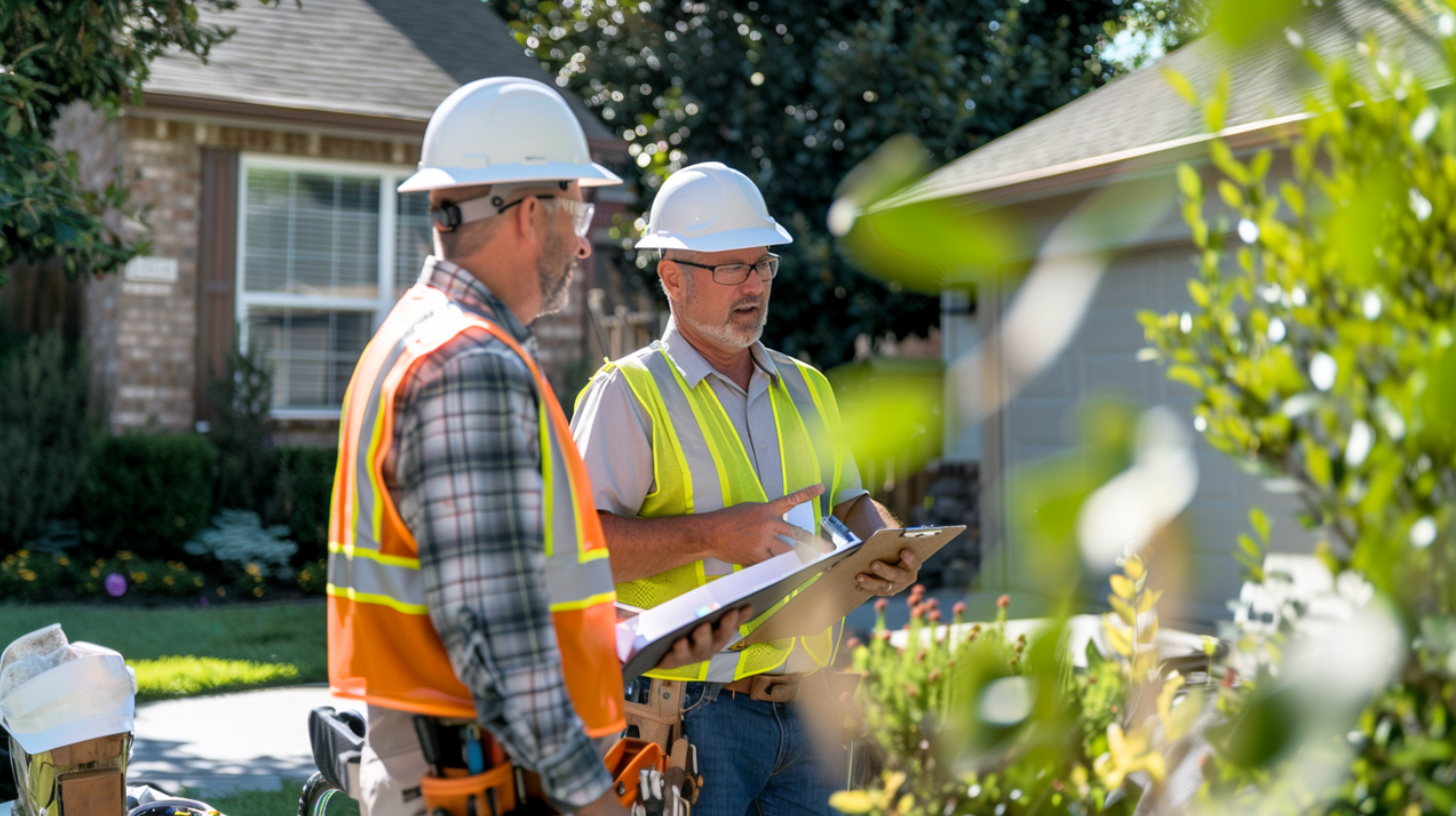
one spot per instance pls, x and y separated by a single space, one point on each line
581 211
736 273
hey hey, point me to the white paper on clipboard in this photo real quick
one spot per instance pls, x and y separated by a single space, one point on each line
802 516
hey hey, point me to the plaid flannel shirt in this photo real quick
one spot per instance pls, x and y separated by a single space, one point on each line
466 477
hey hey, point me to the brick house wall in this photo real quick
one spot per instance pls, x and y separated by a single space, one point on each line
158 331
141 328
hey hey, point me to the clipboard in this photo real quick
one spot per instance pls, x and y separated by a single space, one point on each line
763 600
835 594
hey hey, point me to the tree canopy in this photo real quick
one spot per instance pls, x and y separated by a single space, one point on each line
797 94
56 52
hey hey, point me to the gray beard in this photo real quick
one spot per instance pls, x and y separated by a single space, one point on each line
728 334
555 287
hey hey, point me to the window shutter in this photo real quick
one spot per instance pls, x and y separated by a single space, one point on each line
216 272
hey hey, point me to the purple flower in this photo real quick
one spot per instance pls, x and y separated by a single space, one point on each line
115 585
203 600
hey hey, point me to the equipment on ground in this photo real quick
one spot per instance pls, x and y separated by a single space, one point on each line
67 710
710 207
502 130
173 806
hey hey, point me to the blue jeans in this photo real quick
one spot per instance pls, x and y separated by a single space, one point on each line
757 758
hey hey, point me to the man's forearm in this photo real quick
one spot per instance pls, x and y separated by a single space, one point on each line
865 516
642 547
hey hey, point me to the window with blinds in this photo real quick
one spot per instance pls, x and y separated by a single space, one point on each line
325 249
413 239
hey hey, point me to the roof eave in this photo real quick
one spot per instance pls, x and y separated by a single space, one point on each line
306 119
1059 178
301 118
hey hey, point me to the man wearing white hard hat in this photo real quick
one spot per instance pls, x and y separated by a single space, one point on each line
470 595
697 447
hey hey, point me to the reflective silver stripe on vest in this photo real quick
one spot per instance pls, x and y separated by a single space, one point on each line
798 387
723 667
366 576
571 583
363 485
707 489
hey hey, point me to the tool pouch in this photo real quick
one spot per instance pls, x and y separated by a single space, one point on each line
492 793
626 761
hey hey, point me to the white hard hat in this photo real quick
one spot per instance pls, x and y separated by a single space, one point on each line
710 207
504 129
61 696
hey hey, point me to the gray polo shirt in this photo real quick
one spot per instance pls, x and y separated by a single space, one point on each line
614 432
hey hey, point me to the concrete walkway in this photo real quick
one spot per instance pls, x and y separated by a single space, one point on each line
216 745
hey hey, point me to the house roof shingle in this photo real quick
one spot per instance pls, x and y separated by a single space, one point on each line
1140 114
395 59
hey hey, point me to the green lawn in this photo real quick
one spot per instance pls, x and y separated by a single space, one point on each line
278 802
185 651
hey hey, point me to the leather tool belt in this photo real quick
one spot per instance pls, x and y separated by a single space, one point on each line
777 688
656 719
470 775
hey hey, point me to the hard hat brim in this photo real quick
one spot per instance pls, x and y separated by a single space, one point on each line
721 241
445 178
84 698
93 727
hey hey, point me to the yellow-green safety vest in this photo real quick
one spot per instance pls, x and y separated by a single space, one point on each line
700 465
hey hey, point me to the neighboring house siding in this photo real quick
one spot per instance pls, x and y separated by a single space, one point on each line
1101 358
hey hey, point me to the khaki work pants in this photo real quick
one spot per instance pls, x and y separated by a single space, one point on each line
391 766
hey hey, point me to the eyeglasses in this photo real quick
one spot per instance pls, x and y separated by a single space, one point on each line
581 211
736 273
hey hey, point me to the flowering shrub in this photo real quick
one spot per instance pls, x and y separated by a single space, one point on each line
313 577
27 576
966 719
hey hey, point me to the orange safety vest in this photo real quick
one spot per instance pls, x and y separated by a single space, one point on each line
383 647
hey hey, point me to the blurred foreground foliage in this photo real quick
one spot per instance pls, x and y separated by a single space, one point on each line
891 410
968 719
1320 348
1062 715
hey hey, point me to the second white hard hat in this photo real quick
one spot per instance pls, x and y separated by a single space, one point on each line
710 207
504 129
73 692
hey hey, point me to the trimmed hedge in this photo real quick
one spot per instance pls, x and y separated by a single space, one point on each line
147 493
303 487
44 429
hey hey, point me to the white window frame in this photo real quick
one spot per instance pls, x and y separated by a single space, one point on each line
390 176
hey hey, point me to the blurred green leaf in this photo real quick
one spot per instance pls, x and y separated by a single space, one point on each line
1263 731
1259 520
1239 23
1438 401
1188 182
1356 225
890 409
1180 84
925 246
